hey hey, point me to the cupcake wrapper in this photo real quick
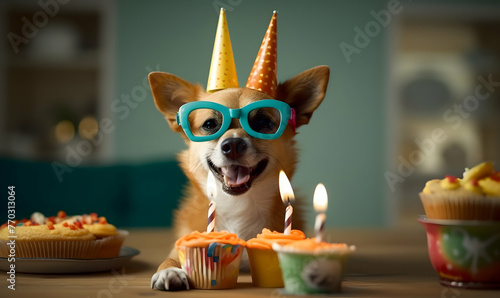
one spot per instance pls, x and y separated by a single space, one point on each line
108 247
70 249
213 267
465 207
265 268
111 245
312 273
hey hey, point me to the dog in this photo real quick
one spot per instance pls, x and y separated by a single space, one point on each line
246 168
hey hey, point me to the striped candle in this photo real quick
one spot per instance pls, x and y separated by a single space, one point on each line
211 193
288 198
288 220
211 217
319 226
320 205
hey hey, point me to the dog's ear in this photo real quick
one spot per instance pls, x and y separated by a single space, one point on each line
170 92
305 92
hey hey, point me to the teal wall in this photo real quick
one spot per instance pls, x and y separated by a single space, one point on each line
343 146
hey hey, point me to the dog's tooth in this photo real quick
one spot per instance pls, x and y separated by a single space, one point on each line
226 181
229 182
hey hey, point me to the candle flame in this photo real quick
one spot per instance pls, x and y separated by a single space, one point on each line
286 190
320 199
211 186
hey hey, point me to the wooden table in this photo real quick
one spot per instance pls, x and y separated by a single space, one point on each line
387 263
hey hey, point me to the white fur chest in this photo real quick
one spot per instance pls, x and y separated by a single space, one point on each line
244 215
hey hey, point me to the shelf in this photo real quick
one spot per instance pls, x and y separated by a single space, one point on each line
60 74
87 60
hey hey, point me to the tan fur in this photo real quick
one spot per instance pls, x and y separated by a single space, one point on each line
169 263
304 93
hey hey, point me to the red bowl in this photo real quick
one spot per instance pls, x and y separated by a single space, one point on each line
465 253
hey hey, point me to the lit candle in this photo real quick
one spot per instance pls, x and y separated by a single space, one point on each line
288 198
211 193
320 205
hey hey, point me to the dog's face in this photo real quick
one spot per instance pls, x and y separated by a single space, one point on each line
236 159
239 161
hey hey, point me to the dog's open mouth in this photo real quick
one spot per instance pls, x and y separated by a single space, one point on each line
236 179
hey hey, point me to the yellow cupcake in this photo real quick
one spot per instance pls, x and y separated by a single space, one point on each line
431 185
107 233
491 186
450 182
43 232
478 172
111 237
97 226
49 241
80 237
473 186
474 197
102 230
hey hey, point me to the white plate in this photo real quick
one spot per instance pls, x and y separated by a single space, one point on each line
40 265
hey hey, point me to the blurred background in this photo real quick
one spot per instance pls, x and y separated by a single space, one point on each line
412 96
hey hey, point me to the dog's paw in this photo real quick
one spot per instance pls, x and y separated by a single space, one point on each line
170 279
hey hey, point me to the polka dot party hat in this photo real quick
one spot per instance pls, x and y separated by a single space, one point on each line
222 73
263 76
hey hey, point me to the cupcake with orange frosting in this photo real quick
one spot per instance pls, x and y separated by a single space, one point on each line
475 196
264 263
211 260
311 267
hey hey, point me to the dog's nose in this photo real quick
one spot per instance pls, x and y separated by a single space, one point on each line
233 148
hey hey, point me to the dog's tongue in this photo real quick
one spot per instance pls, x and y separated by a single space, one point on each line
235 175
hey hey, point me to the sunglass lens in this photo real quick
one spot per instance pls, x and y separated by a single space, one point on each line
264 120
204 122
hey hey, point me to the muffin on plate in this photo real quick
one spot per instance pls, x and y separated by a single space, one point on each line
111 238
62 236
34 240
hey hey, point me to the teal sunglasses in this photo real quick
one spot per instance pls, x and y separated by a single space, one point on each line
206 121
